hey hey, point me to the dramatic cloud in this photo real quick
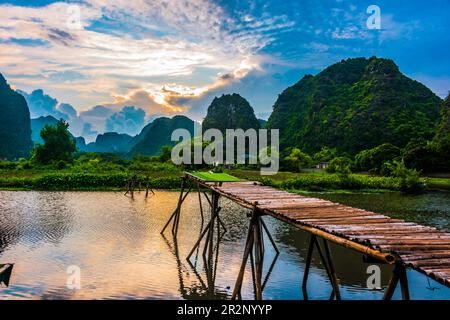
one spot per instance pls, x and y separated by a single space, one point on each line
97 112
41 104
118 49
68 109
129 120
88 123
88 133
96 120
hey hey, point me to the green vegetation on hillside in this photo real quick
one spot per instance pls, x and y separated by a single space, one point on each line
15 125
158 134
230 112
432 155
373 160
441 141
354 105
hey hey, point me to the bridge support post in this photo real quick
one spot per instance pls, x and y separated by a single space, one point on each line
210 242
147 187
255 249
208 248
200 203
327 263
398 275
176 214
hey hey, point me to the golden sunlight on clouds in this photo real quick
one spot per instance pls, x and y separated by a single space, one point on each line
141 53
157 99
152 103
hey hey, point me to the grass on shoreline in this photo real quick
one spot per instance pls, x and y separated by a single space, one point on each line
67 179
438 184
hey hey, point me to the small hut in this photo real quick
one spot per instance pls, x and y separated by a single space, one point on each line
322 165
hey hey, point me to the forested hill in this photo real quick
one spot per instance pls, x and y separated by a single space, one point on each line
15 127
158 134
353 105
230 111
441 140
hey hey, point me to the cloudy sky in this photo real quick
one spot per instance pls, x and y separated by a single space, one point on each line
116 64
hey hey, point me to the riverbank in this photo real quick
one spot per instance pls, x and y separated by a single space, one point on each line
66 180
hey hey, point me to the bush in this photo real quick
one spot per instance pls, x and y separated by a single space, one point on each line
83 181
336 182
165 183
217 169
325 154
17 182
297 160
154 167
58 144
8 165
373 159
340 165
61 165
73 181
410 181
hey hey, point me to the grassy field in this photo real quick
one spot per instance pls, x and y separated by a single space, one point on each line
214 177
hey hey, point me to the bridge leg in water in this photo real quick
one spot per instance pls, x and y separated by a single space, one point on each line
147 189
176 214
200 204
254 248
398 274
327 263
211 242
214 221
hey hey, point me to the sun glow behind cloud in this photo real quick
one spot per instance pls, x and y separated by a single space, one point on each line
145 53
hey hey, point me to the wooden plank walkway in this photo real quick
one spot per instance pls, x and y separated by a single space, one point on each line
425 249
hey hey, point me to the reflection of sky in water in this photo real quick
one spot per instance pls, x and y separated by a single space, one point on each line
116 243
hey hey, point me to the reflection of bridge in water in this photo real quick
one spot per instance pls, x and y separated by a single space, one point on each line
203 262
380 238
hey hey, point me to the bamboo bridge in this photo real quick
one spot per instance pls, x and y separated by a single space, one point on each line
379 238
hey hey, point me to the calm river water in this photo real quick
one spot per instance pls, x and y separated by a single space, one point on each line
116 243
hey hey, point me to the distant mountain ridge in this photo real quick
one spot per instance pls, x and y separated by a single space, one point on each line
37 124
353 105
111 142
157 134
